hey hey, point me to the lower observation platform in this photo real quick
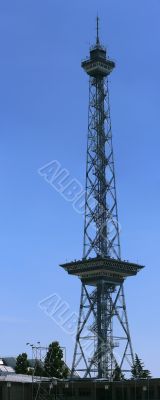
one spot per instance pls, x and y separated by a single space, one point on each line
110 270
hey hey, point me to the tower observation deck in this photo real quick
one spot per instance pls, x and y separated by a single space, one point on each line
103 339
97 65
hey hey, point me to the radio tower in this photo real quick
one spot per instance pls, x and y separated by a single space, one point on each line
103 340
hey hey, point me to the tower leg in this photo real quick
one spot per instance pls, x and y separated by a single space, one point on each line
102 313
100 339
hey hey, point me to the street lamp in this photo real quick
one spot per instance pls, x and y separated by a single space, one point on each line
9 390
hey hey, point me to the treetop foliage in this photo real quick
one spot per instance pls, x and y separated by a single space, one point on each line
138 371
22 364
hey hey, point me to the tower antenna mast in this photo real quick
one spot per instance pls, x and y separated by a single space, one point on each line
97 39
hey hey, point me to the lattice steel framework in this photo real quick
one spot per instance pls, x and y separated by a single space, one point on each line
43 388
40 388
101 229
103 338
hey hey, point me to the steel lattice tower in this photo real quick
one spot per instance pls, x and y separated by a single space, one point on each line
103 339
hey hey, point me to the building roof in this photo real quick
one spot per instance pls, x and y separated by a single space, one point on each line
25 378
9 361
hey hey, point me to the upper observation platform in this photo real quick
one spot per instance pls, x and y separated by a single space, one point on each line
98 64
112 271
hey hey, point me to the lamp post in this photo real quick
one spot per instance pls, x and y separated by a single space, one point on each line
145 389
8 390
106 390
54 383
95 390
32 346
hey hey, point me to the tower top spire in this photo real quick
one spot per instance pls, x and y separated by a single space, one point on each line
97 38
98 64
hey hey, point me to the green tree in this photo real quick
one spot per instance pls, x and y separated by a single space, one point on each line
39 369
117 373
138 371
22 364
54 365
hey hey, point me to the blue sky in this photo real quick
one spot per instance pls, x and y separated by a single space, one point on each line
43 117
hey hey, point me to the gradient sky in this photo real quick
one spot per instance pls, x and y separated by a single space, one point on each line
43 117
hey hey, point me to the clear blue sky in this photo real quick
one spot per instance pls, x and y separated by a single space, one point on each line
43 116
